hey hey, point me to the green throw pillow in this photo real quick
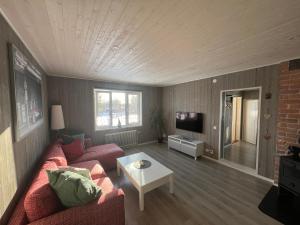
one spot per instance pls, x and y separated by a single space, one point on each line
81 171
72 189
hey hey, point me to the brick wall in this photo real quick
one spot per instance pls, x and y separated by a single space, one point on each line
288 122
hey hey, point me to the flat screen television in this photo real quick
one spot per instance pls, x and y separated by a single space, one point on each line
190 121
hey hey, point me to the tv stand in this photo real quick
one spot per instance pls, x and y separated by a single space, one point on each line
186 138
188 146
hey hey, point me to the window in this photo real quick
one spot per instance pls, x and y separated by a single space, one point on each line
114 109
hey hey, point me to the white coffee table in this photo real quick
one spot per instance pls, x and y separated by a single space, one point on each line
145 180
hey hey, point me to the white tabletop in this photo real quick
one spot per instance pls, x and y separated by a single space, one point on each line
143 176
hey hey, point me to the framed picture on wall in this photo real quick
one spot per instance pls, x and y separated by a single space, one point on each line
26 89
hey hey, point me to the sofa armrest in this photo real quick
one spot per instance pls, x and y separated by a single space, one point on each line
109 210
88 142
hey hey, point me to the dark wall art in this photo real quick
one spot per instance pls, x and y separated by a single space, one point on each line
26 84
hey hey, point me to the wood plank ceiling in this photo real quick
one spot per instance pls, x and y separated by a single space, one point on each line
155 42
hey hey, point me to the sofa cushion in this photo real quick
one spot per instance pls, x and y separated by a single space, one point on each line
72 188
73 150
93 166
105 154
109 192
40 200
107 210
106 187
56 154
19 216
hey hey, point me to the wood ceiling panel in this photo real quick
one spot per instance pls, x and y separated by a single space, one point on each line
155 42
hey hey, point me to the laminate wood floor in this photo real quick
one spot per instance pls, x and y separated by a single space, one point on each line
242 153
206 193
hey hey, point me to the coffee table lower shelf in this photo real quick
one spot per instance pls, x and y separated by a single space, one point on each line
148 187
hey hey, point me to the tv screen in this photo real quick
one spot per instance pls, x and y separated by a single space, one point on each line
190 121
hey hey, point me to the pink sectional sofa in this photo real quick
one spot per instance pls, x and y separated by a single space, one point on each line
40 205
105 154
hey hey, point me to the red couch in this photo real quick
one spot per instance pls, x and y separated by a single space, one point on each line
40 205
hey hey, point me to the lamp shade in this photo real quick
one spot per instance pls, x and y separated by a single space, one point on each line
57 117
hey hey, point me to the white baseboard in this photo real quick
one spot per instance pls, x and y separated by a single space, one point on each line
247 171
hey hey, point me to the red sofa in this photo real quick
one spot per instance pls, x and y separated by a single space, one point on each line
40 205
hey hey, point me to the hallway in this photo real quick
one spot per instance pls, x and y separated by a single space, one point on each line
242 153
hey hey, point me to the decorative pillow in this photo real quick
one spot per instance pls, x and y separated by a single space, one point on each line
79 136
73 189
69 138
73 150
81 171
66 139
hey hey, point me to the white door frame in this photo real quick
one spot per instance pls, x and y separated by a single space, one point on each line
259 88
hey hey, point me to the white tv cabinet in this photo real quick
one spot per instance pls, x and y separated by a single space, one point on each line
193 148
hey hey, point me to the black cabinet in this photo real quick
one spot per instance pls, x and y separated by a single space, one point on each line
289 175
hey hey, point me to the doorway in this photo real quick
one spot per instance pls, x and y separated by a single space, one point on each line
239 127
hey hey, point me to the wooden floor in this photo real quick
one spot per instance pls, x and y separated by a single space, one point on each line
206 193
242 153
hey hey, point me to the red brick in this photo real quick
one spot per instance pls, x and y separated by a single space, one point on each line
292 130
293 96
284 83
288 119
282 97
294 75
281 125
294 115
288 90
284 76
288 111
289 101
292 125
284 67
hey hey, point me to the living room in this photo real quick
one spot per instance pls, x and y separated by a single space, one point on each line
165 112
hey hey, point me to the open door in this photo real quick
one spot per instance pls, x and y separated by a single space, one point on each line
236 119
239 127
250 120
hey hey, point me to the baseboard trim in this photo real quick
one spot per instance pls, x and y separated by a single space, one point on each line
241 170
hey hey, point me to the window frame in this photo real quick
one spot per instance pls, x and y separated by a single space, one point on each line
127 92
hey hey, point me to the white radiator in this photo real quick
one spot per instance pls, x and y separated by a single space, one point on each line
123 139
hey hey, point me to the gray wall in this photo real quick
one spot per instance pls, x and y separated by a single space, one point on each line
76 98
17 160
204 96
